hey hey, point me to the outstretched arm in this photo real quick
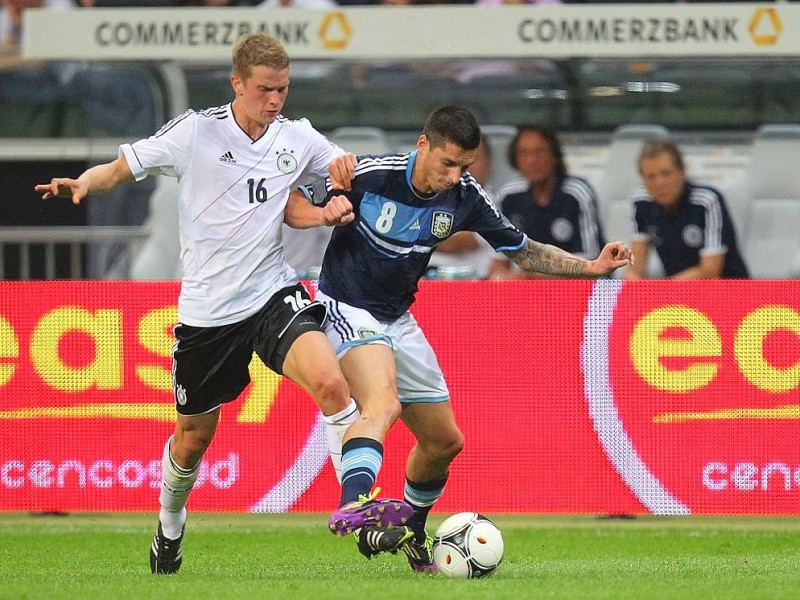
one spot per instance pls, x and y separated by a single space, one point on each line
100 178
301 214
547 259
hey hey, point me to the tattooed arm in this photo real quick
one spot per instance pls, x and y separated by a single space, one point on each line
544 258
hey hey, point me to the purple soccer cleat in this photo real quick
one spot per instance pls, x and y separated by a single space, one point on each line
368 511
420 555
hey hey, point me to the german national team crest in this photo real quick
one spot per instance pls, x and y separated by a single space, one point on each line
442 224
286 162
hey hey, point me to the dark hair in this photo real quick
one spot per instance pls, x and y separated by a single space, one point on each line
656 146
552 141
454 124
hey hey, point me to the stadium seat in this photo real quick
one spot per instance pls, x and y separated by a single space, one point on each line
403 141
500 137
772 186
738 201
159 257
361 140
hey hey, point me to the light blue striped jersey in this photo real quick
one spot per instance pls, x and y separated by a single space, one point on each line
375 262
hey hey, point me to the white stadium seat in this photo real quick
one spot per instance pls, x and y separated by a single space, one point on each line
361 140
499 137
159 257
738 202
770 242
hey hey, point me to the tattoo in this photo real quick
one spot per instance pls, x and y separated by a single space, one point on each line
544 258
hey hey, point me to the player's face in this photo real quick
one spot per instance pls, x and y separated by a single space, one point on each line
663 179
535 159
437 169
261 96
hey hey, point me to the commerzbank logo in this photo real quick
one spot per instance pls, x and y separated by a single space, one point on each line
765 26
335 31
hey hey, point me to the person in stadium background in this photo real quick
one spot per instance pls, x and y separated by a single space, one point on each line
405 205
548 204
238 295
688 225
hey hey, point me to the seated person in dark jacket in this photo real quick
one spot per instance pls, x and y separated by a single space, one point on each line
548 204
688 225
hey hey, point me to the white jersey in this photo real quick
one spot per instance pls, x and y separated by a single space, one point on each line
232 192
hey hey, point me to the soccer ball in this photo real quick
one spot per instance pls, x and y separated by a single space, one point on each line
467 545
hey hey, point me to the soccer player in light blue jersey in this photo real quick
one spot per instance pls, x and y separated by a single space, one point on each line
405 205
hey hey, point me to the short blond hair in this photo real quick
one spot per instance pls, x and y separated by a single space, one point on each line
258 50
656 146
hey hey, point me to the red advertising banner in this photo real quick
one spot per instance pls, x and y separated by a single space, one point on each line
574 396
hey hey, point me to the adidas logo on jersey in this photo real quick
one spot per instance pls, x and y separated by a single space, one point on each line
227 157
415 224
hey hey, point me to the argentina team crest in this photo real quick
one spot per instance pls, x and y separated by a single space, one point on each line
442 224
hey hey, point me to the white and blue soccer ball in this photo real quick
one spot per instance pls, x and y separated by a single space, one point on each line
467 545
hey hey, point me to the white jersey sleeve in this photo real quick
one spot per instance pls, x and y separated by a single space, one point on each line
167 152
322 151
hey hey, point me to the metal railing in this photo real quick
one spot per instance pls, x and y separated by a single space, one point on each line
70 245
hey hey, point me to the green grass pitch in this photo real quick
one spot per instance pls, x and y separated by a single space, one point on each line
294 556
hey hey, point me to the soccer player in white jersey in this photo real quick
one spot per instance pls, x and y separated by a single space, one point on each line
405 205
235 166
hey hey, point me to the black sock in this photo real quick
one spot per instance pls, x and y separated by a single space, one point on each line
422 495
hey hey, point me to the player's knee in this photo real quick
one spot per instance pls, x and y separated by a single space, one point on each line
448 445
456 444
187 449
393 410
330 390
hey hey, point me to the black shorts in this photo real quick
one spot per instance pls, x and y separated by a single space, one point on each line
210 364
